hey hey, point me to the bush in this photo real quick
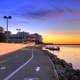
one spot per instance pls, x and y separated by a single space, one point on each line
2 37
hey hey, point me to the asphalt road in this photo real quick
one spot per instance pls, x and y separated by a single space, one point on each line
28 64
13 60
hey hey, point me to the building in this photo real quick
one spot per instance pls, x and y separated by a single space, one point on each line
20 37
1 30
7 32
24 37
2 35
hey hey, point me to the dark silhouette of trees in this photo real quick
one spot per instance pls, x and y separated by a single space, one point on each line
2 37
38 38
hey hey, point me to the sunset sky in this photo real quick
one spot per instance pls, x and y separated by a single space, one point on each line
57 20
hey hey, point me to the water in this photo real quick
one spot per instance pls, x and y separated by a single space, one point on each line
70 53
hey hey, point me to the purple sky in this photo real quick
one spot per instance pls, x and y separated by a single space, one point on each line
41 16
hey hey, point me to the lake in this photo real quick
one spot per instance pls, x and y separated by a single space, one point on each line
70 53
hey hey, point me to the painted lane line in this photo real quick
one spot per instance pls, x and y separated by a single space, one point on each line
31 78
18 69
37 68
56 74
2 68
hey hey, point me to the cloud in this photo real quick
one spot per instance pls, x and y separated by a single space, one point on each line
51 9
51 13
43 14
72 33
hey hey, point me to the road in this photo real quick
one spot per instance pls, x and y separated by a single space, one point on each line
28 64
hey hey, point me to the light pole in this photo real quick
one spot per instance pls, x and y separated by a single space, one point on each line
23 37
18 33
7 18
18 30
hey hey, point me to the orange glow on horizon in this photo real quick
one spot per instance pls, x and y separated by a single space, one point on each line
61 38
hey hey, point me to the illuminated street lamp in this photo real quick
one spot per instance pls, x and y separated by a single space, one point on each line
7 19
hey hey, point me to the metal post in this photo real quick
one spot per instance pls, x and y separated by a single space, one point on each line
7 17
23 37
18 33
7 30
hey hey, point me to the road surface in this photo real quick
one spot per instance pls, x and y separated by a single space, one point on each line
28 64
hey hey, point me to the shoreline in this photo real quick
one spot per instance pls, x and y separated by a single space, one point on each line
64 69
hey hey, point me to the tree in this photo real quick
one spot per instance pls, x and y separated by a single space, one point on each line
38 38
2 37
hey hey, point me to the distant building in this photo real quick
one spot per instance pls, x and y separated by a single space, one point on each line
7 32
23 34
19 37
1 30
23 37
2 35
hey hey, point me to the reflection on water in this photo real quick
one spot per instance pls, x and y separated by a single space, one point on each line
70 53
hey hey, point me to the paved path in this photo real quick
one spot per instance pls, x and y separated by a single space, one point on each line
9 63
39 67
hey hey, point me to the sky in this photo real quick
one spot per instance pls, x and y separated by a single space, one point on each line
58 21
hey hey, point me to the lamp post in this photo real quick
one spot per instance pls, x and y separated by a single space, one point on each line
23 38
7 19
18 30
18 33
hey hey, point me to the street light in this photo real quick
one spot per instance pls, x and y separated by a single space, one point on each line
7 18
23 37
18 32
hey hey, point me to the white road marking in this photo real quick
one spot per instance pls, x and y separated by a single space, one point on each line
18 69
37 68
2 68
31 78
56 74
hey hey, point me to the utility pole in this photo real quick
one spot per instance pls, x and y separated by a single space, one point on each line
7 21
